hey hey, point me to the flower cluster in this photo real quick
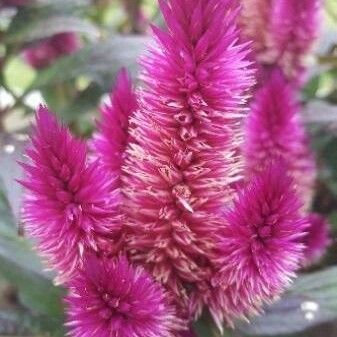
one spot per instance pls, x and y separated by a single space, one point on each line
45 52
283 33
170 213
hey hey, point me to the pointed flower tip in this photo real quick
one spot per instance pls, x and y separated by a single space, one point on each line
67 201
110 142
274 129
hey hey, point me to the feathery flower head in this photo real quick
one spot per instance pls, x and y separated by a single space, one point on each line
274 129
68 208
45 52
181 169
254 21
111 140
282 33
317 238
112 298
294 27
260 245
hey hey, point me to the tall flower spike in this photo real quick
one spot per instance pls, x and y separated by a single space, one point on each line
67 208
111 140
254 22
274 129
317 239
261 244
181 170
282 33
294 27
112 298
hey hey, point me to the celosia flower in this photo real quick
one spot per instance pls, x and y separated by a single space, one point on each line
45 52
112 298
254 22
181 170
317 239
111 140
294 28
282 33
261 243
274 129
68 208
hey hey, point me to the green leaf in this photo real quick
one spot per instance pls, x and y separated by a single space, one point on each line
18 263
7 221
84 102
312 300
11 149
23 268
99 61
15 322
205 327
32 23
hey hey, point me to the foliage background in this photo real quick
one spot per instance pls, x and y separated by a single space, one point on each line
73 86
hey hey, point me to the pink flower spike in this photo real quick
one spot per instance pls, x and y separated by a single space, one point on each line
283 33
67 207
294 29
111 140
45 52
317 239
254 22
260 247
274 129
184 161
112 298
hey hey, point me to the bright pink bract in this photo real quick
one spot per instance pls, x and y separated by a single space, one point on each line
274 129
261 244
112 298
68 208
184 160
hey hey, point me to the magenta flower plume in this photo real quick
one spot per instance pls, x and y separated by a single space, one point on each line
294 28
261 244
112 298
282 33
111 140
45 52
181 170
254 22
317 239
274 129
68 208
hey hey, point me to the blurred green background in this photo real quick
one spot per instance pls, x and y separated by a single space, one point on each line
113 34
